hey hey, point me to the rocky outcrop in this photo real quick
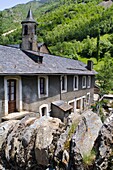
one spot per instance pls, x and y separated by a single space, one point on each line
43 143
29 142
106 4
87 132
84 138
4 128
104 146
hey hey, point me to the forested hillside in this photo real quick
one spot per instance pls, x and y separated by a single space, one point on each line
79 29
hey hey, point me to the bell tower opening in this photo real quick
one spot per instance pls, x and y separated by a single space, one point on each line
29 37
26 30
30 46
35 29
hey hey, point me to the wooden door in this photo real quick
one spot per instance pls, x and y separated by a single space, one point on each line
11 96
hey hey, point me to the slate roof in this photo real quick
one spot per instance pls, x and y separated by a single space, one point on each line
14 61
62 105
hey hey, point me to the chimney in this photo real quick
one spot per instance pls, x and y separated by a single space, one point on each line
90 65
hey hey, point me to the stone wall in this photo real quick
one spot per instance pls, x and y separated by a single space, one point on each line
43 49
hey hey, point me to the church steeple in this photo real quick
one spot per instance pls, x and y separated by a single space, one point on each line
29 37
29 17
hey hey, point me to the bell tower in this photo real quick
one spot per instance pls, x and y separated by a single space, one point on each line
29 37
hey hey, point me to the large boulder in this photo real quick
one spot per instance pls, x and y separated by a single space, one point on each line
46 139
84 138
28 144
87 132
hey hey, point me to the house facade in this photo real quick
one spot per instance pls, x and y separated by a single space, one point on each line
31 78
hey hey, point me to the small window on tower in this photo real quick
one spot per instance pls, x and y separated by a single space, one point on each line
26 30
35 29
30 45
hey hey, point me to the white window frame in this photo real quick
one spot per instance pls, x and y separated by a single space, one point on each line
84 86
40 109
74 83
88 81
73 101
46 88
65 79
81 102
88 101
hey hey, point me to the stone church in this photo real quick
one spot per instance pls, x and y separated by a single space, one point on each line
31 78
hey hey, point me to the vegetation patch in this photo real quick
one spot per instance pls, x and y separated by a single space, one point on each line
70 134
89 159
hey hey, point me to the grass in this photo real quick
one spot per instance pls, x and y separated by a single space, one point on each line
89 158
70 134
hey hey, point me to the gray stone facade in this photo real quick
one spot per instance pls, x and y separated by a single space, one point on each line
30 97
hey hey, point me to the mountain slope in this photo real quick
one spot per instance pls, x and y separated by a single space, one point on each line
67 27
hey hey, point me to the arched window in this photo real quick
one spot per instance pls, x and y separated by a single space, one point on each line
44 110
26 30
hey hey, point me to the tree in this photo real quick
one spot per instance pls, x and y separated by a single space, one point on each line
98 45
105 75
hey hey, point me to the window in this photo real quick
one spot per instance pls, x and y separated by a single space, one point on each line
43 86
26 30
44 110
35 29
83 81
72 103
75 83
63 84
88 81
30 45
88 98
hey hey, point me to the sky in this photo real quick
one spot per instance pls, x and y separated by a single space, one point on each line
4 4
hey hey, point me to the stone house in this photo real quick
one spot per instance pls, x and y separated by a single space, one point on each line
31 78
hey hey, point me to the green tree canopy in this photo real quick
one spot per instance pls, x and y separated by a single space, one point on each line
105 75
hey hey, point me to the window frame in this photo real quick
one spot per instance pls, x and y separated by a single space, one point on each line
65 84
83 86
88 81
74 83
47 109
88 98
45 94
